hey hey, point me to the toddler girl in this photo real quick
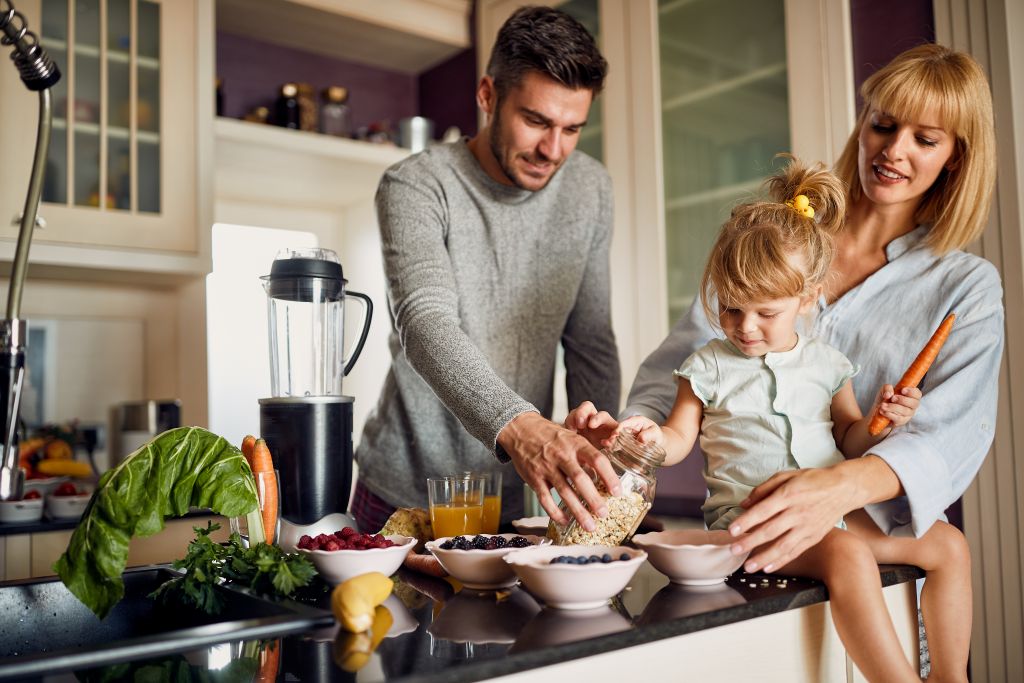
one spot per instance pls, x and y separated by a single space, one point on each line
766 398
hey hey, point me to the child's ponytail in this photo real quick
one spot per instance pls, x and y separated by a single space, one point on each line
825 193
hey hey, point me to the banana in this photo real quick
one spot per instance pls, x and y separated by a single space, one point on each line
353 601
60 468
352 650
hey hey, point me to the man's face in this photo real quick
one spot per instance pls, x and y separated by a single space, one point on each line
534 128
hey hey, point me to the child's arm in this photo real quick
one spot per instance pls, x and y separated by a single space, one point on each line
680 430
850 428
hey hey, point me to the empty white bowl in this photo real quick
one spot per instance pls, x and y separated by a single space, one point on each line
13 511
480 569
693 557
67 507
575 586
338 565
537 526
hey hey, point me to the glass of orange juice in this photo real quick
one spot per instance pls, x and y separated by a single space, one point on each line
492 500
456 504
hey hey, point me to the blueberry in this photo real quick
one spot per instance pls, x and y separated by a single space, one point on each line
624 556
581 560
595 558
606 558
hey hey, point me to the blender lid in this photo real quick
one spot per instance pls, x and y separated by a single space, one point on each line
310 262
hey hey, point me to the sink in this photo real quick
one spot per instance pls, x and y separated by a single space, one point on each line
44 628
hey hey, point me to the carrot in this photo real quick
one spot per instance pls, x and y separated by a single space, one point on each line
915 373
425 564
270 657
248 444
266 485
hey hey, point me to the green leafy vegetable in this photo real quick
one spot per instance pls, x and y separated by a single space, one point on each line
263 568
178 469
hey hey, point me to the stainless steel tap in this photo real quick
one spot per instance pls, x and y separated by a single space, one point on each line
38 73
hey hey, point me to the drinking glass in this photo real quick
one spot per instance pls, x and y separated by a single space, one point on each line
268 493
456 504
492 500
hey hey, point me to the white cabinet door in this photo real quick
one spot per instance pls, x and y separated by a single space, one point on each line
122 170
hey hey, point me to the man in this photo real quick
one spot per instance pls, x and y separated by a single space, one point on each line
496 252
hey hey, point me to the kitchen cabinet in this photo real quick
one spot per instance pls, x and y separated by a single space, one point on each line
31 555
123 168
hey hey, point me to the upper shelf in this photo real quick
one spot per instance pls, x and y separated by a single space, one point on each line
261 163
409 36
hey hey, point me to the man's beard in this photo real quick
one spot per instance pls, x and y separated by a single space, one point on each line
498 152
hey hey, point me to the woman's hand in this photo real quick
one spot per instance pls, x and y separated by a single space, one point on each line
793 510
597 427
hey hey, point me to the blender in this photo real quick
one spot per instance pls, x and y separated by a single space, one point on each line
307 422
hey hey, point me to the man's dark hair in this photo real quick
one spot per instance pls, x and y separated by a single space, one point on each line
550 42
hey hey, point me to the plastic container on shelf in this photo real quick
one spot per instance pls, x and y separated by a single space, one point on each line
636 464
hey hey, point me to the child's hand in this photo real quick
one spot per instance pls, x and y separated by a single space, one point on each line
597 427
899 408
643 428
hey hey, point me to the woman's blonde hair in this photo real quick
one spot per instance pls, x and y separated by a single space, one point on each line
768 249
937 78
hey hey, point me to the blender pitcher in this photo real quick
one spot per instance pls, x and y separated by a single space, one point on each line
306 307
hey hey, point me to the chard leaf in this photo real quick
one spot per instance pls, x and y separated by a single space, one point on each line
180 468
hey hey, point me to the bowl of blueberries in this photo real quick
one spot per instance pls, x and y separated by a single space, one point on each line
576 576
476 560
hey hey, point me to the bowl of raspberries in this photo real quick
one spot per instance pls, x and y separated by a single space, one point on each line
476 561
347 553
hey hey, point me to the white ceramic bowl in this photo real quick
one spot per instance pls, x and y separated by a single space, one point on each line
12 511
475 617
338 565
480 569
536 526
692 557
290 534
67 507
44 485
575 586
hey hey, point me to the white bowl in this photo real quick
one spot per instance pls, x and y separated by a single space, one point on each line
474 617
45 485
21 510
537 526
692 557
480 569
575 586
289 534
67 507
338 565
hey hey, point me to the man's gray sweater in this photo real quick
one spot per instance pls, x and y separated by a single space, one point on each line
484 281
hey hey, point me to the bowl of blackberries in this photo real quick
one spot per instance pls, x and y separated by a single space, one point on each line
575 576
476 560
346 553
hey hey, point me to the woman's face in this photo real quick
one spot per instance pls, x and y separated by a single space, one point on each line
899 160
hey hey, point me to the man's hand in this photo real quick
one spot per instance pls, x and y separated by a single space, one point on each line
598 427
548 456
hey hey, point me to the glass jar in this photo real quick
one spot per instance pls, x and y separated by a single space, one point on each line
636 464
334 112
286 109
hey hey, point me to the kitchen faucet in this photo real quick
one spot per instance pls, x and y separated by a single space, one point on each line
39 73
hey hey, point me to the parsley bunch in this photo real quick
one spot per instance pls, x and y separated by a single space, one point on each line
264 568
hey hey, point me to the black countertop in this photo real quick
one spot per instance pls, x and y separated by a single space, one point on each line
471 636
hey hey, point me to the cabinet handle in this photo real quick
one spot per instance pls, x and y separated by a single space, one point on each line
40 221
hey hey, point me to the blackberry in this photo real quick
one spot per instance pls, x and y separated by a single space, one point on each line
479 542
447 545
519 542
499 541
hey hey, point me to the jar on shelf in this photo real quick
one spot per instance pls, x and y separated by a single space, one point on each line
309 119
286 109
636 464
335 116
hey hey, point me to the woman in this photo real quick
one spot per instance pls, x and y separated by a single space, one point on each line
920 165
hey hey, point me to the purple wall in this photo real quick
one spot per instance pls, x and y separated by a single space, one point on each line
448 94
253 72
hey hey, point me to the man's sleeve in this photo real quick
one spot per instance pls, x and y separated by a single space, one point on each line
592 371
654 389
413 218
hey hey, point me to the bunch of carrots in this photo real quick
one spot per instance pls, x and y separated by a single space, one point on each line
257 454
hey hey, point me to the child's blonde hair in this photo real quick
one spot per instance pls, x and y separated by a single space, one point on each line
768 249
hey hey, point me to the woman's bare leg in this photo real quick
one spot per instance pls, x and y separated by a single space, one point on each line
946 596
848 568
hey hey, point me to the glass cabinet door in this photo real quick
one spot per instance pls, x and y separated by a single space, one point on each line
105 150
587 12
725 114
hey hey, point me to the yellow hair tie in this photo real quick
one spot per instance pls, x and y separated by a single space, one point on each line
802 205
